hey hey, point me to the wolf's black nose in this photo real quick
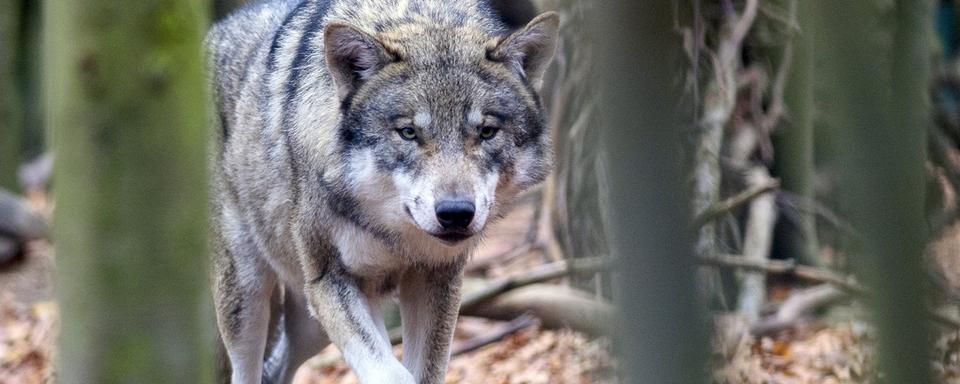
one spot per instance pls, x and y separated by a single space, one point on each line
455 214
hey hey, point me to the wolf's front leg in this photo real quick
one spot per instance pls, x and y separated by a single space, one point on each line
242 290
429 303
355 328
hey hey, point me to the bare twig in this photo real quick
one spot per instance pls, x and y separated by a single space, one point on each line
743 25
723 207
515 325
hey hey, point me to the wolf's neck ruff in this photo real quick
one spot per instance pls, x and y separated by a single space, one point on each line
365 144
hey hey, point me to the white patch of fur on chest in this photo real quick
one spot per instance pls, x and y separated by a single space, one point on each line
362 253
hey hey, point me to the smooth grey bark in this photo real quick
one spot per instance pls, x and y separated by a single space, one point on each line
661 331
881 68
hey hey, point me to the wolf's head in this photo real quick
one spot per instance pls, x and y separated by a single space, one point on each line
440 127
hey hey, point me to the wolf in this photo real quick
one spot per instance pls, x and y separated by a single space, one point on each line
363 146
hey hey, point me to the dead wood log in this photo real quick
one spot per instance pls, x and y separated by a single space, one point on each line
557 307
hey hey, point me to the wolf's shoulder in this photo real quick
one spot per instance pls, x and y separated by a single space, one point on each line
249 23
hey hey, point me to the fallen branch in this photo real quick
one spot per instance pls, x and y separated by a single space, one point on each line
798 305
557 307
538 275
514 326
847 283
788 267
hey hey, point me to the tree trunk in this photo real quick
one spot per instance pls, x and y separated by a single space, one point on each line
11 117
881 61
33 142
795 164
662 338
125 88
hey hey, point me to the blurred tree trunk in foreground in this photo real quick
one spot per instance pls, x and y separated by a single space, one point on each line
880 65
662 333
127 107
11 117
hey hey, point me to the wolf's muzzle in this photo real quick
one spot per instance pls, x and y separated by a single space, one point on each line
455 215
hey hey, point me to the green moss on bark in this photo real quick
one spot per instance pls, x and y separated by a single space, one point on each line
127 109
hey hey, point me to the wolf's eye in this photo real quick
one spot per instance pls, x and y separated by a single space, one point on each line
487 132
407 133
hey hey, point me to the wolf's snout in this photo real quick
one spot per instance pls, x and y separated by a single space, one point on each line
455 215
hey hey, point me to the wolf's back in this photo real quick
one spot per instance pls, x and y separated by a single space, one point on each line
231 45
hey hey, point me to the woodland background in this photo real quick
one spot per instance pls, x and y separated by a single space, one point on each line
746 191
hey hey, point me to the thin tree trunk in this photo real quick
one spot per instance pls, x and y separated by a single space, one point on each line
11 116
33 141
795 163
879 55
756 244
662 338
128 112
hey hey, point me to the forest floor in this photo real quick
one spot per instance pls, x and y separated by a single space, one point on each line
833 347
29 323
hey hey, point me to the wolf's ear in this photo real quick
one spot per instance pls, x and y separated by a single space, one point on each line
530 50
352 56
